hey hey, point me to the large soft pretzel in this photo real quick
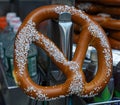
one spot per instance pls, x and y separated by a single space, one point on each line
75 82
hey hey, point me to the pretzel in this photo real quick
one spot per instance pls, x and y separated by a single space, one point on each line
114 39
115 35
106 2
107 22
94 8
115 44
75 79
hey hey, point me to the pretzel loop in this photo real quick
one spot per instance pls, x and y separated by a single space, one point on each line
75 82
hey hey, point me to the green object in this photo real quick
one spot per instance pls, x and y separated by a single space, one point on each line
103 96
117 93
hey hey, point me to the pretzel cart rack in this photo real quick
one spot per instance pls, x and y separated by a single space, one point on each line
60 31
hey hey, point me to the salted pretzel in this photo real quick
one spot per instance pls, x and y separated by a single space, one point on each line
75 79
107 23
113 36
105 2
95 8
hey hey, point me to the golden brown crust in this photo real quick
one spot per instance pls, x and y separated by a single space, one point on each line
75 84
115 44
107 22
115 35
112 25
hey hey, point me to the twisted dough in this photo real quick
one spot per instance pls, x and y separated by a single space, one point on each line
113 36
75 83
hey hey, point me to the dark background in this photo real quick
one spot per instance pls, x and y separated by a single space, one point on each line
21 7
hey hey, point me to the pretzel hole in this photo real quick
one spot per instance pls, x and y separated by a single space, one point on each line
90 64
48 71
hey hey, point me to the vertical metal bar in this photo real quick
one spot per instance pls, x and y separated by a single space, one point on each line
65 26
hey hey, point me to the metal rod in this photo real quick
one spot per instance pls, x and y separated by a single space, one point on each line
65 26
106 102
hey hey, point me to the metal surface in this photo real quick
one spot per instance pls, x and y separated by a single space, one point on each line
112 102
65 26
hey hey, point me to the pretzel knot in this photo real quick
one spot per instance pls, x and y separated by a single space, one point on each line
75 83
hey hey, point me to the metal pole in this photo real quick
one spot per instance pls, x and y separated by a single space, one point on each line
65 26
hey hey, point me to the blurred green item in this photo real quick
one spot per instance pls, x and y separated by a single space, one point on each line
116 93
104 96
107 93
